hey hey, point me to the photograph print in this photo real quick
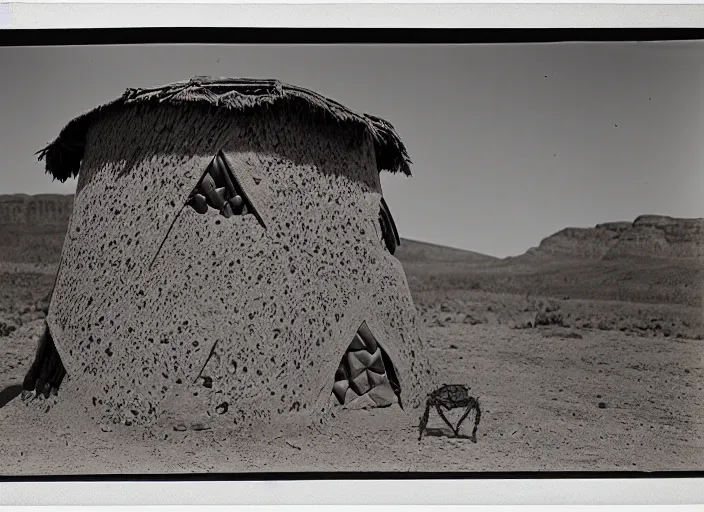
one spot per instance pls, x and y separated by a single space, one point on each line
351 258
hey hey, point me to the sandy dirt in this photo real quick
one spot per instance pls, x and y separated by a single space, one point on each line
540 391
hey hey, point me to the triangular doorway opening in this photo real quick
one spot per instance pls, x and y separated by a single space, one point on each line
366 376
219 189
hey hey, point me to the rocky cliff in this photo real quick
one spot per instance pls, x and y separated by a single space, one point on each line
32 228
649 237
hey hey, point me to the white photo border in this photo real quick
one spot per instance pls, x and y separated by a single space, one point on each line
312 14
627 14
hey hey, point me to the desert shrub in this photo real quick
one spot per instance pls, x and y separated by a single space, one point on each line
604 325
549 318
473 319
522 324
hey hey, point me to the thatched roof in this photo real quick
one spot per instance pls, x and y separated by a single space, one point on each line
63 156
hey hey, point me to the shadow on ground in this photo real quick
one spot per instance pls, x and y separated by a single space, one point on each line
10 393
443 432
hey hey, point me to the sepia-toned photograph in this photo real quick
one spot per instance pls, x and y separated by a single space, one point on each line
351 258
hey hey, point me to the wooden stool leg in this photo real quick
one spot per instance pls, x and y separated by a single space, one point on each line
423 421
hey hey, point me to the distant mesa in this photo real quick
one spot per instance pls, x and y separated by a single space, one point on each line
32 228
647 237
35 210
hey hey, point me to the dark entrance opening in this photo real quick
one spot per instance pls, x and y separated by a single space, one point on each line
47 370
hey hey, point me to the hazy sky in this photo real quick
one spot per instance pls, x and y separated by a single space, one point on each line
510 143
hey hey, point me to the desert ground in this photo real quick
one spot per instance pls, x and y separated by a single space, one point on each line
581 363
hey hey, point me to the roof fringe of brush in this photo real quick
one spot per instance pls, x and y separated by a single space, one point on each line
63 156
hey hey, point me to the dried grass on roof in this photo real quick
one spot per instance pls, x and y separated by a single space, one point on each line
63 156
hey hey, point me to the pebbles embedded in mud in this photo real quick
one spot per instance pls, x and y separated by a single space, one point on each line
199 203
357 343
360 383
366 335
377 379
340 389
341 373
226 210
383 395
355 365
237 203
371 361
350 395
222 194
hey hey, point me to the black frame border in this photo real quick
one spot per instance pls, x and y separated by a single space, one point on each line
260 35
345 475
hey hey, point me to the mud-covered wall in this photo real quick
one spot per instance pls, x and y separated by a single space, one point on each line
160 309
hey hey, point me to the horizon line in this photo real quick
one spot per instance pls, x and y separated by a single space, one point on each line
451 247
